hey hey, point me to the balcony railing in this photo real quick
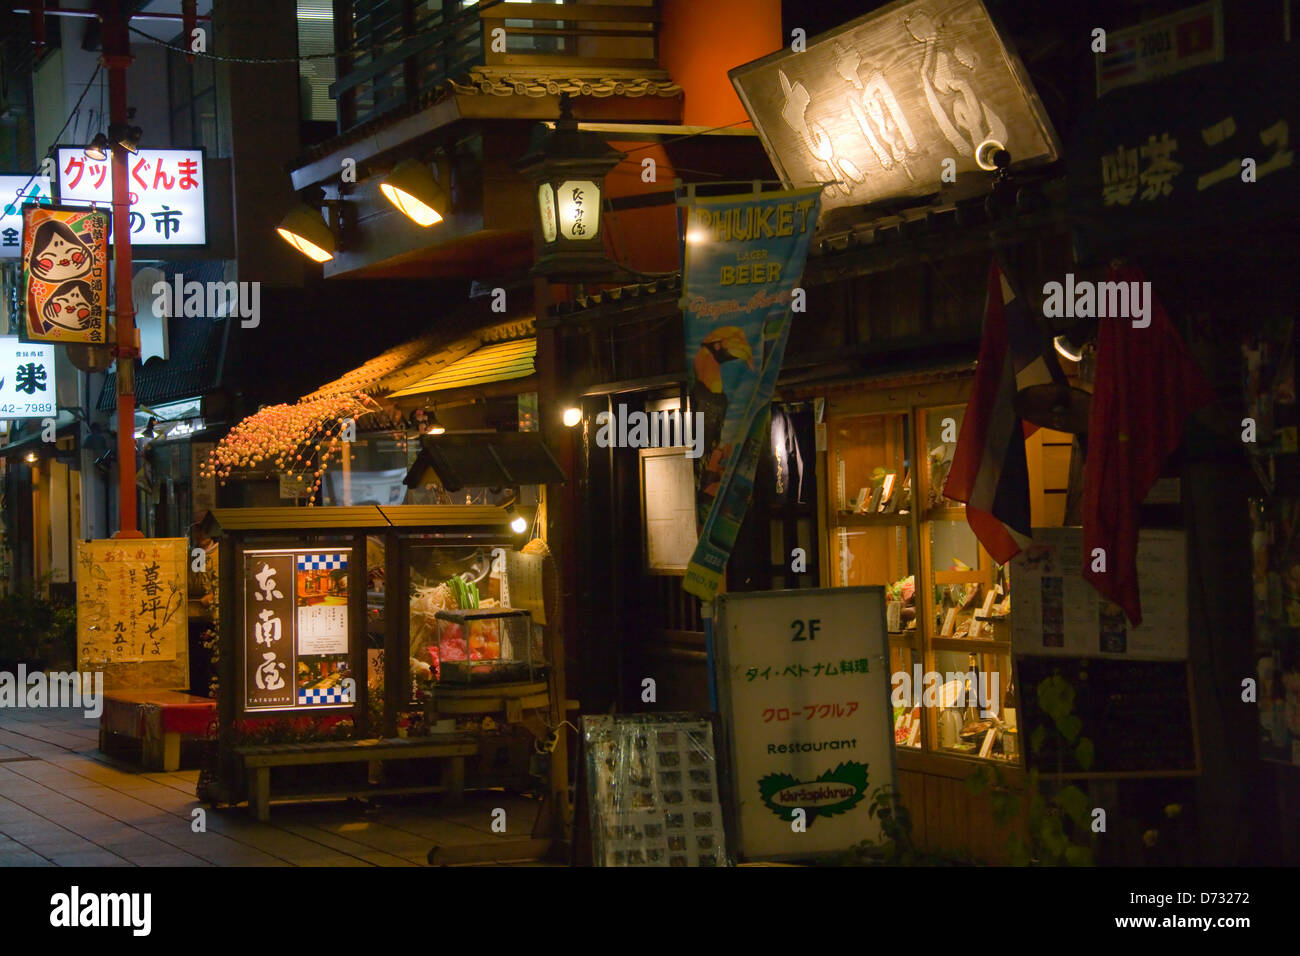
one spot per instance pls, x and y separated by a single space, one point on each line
411 49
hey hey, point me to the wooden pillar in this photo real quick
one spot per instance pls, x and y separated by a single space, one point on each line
561 518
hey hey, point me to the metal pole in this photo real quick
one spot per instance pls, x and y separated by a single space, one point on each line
117 57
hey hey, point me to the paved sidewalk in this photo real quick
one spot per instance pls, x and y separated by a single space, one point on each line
63 803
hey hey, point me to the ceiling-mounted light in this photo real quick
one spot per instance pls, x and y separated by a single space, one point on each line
31 459
572 416
305 230
517 522
412 189
98 148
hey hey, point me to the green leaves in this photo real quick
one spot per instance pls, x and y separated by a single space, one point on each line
1083 753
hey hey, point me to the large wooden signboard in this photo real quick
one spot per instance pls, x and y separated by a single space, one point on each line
132 611
803 679
1138 715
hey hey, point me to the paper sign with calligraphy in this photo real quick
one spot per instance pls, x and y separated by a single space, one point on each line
878 105
14 192
131 600
27 385
166 187
1136 168
296 637
65 274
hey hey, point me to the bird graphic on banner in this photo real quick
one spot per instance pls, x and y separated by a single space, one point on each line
724 344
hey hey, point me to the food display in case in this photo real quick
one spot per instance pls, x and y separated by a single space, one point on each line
485 645
461 630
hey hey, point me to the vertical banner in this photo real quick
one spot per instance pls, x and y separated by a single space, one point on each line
297 645
743 257
65 274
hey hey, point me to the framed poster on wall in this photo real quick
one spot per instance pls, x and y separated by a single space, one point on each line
804 686
668 509
296 639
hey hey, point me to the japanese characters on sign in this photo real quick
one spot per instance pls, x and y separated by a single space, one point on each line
27 386
166 191
804 688
1136 168
579 209
878 105
14 192
296 630
131 600
65 274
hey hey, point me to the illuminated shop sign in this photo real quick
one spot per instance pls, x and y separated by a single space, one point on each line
166 187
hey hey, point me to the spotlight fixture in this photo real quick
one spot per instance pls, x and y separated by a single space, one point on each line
572 416
305 230
412 189
431 424
98 148
1066 349
986 154
31 460
126 136
517 523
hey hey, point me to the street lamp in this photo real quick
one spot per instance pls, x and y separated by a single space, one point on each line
568 167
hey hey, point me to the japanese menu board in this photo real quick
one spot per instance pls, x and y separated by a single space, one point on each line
65 274
296 639
1056 612
803 679
668 496
166 190
131 600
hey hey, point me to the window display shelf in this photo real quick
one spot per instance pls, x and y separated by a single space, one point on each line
853 519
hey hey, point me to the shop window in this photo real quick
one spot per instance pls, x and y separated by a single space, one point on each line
948 603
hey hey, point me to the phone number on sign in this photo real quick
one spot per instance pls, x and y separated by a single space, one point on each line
33 408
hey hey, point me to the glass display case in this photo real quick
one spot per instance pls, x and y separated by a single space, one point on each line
486 646
948 603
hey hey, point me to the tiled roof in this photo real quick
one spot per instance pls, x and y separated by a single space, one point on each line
193 369
485 82
660 284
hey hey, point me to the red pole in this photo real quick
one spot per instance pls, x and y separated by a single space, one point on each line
117 57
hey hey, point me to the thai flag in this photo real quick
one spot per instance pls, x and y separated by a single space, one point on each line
989 471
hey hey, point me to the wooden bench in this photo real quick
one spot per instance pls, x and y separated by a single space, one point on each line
259 760
158 718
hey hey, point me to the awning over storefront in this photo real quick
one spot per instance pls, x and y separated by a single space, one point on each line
431 363
31 440
491 363
195 366
503 460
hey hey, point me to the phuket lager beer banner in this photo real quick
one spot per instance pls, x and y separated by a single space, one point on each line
743 257
65 274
